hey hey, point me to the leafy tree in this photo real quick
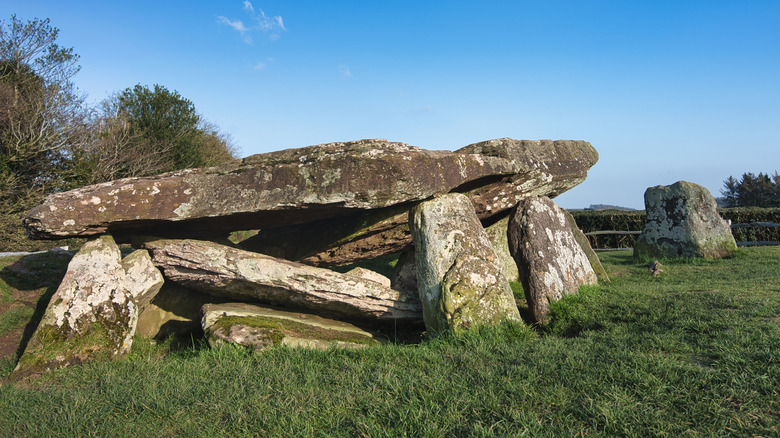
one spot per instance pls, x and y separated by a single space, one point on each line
51 141
143 131
752 190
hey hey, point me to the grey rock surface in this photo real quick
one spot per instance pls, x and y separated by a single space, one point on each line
550 261
539 167
496 233
683 221
584 243
242 275
458 278
261 327
93 313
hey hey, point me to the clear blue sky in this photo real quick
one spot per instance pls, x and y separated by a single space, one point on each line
664 90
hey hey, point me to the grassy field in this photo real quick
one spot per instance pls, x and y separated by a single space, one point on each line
692 352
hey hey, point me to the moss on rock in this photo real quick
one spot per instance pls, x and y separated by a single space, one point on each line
260 327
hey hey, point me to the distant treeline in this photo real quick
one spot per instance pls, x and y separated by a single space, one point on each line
608 207
762 190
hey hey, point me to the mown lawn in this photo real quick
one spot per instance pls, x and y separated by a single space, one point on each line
693 352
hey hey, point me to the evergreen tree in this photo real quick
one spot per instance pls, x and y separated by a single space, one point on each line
752 190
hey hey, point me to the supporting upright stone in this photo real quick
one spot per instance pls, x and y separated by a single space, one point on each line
459 280
683 221
582 239
550 261
93 313
497 235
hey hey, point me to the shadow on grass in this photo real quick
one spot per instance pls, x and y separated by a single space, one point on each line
34 279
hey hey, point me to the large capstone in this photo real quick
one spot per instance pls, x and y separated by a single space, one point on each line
349 201
93 313
246 276
541 167
683 221
550 261
459 279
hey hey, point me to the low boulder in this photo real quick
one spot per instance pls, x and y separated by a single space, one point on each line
459 281
242 275
260 327
683 221
550 261
93 313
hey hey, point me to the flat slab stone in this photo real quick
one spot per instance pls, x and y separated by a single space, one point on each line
540 167
260 327
246 276
302 185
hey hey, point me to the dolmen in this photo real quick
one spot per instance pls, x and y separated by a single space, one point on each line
315 207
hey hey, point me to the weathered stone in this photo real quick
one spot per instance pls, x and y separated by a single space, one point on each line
404 277
94 311
175 310
142 279
545 168
496 233
542 167
459 281
368 274
337 241
584 243
550 261
224 271
683 221
262 327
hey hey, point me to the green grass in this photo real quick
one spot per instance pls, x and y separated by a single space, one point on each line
692 352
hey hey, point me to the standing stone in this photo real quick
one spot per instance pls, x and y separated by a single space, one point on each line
260 327
459 280
584 243
497 235
404 276
93 313
683 221
142 279
551 262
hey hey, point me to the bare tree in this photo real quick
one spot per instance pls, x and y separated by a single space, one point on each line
41 112
142 132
